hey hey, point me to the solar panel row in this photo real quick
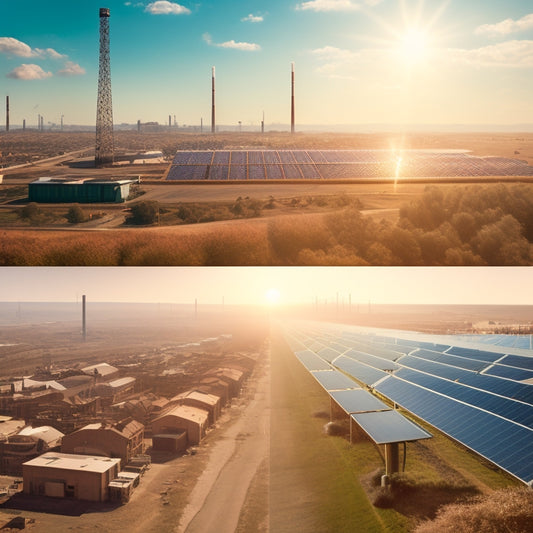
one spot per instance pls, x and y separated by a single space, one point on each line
336 164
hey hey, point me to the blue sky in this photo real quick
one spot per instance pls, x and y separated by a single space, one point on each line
249 285
357 61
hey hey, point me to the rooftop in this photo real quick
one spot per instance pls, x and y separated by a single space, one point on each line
67 461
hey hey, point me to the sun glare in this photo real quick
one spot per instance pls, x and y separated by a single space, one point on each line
272 296
414 45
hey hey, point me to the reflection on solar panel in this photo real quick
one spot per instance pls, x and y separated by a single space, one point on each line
476 396
338 164
389 426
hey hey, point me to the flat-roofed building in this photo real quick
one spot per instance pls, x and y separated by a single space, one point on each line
122 440
183 418
61 475
202 400
84 190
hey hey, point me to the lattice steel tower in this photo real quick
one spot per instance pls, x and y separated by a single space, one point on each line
104 110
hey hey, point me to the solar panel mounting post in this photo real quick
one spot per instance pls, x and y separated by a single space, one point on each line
392 458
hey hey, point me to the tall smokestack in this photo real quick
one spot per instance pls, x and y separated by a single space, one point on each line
263 123
170 121
292 97
7 113
84 316
213 100
24 125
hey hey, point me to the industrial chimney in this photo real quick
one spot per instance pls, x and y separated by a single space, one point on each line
213 100
84 317
292 97
7 113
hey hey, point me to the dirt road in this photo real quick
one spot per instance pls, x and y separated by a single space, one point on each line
216 501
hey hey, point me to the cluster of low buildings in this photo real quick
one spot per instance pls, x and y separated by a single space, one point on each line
89 436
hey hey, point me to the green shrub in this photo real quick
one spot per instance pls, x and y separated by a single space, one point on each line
76 215
144 213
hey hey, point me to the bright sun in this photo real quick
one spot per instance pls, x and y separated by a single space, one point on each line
272 296
414 45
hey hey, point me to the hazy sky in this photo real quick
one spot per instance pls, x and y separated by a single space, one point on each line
248 285
357 61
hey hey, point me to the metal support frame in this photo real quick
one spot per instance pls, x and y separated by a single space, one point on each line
104 150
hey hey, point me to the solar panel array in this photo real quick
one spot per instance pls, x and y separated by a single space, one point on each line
381 423
336 164
480 397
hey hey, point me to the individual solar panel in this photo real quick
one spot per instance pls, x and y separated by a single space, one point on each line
461 362
274 172
255 157
199 172
509 372
221 158
359 371
237 172
518 361
286 156
271 157
218 172
475 354
437 369
301 156
256 172
180 173
310 172
311 361
328 354
238 158
371 360
292 172
357 401
334 380
386 427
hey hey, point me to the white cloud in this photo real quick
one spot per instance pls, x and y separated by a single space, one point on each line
328 5
163 7
28 72
505 27
509 54
248 47
71 69
48 52
12 46
9 45
252 18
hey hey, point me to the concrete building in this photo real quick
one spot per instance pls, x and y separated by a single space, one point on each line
122 440
202 400
60 475
58 190
28 443
183 418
